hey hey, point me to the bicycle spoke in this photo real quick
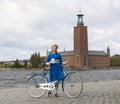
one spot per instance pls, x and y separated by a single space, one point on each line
33 86
73 85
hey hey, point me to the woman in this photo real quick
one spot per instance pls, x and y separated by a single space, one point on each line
56 71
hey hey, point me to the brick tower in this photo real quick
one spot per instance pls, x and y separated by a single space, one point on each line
80 43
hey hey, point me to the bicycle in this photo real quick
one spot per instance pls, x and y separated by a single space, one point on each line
39 84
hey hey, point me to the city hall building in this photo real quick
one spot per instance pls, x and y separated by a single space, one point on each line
81 57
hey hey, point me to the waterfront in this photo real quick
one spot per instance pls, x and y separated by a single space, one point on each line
18 78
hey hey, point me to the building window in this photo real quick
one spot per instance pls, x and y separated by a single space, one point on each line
77 58
84 60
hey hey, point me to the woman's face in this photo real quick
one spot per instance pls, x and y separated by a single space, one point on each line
54 49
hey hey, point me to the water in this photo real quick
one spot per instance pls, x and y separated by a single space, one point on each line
18 78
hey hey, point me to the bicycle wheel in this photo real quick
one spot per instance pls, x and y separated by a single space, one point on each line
72 84
33 86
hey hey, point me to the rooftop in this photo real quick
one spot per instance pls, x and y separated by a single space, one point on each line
67 53
90 52
98 53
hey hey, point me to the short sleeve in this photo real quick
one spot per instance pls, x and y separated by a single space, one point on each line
48 58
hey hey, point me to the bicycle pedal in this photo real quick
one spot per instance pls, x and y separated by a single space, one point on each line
49 94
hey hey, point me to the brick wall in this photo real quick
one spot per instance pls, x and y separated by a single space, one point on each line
80 46
98 61
70 59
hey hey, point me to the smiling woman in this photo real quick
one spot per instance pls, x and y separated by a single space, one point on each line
56 70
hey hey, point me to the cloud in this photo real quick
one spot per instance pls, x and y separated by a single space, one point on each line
28 26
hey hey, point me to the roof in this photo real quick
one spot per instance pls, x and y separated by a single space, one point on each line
96 53
90 52
67 53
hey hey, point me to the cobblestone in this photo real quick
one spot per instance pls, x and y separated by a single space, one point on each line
99 87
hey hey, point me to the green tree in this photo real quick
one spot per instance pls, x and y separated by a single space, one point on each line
115 60
35 60
17 64
25 64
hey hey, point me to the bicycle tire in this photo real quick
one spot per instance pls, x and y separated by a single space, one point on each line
72 84
33 86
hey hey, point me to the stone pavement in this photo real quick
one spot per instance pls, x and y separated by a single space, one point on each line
103 92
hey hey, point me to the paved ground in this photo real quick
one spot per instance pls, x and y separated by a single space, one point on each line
102 92
100 87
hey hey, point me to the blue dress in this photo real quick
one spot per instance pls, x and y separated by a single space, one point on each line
56 71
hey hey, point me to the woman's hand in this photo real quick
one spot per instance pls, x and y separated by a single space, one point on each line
65 62
46 65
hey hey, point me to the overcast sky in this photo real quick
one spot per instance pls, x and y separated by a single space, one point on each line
28 26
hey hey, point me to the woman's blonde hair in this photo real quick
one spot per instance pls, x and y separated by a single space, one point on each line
54 45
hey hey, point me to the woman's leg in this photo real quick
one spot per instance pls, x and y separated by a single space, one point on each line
56 89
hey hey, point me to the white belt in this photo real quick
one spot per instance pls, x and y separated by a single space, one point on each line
55 61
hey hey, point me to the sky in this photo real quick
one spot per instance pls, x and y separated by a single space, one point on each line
28 26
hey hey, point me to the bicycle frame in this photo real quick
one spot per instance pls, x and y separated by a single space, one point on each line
49 85
41 82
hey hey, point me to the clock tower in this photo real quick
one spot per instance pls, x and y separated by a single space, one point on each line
80 43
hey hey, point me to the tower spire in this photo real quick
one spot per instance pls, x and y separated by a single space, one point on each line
80 19
108 51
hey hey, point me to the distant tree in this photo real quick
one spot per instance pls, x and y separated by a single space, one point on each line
25 64
117 55
17 64
115 60
1 65
35 60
